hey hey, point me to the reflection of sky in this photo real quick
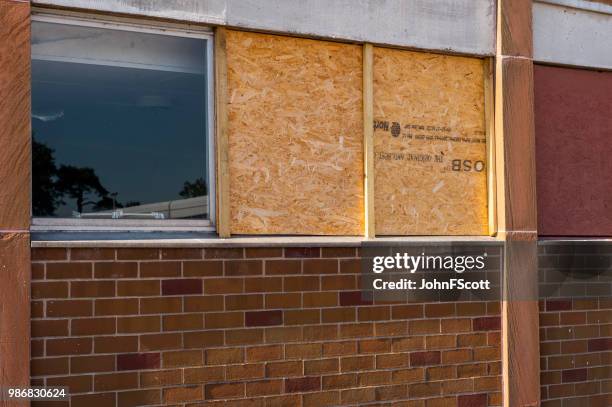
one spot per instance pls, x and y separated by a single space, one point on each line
143 131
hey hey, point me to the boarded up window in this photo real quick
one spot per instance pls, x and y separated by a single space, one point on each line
430 144
295 135
573 116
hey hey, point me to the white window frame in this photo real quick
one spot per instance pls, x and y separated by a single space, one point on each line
205 225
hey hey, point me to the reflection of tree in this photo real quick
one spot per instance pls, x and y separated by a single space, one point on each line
45 197
50 183
78 181
193 189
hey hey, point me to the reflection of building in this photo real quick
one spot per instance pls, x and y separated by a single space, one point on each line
177 209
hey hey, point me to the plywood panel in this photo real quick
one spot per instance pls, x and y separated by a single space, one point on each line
573 119
430 144
295 135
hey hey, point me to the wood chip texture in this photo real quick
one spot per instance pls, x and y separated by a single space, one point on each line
429 144
295 135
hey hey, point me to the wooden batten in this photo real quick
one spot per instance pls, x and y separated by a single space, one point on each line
368 139
295 135
221 136
430 144
489 94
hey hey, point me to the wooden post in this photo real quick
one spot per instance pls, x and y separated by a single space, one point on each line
368 139
15 195
516 202
221 137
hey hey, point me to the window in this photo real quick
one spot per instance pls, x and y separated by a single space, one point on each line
121 126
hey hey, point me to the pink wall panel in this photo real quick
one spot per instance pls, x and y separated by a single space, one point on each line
573 116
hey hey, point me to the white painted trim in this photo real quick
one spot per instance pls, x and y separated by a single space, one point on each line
261 241
581 4
571 36
72 224
455 26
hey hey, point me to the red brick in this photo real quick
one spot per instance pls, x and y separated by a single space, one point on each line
116 381
245 372
302 252
284 369
283 267
156 342
49 289
455 356
119 306
205 268
600 344
395 328
351 266
373 313
472 400
322 366
363 395
160 269
320 299
204 374
456 325
375 346
356 363
424 326
392 361
343 314
138 324
264 353
236 268
244 337
224 390
182 358
303 351
284 300
223 285
138 398
263 252
340 381
574 375
283 334
203 339
440 310
182 394
407 311
93 400
243 302
137 288
441 342
263 318
302 384
49 327
471 308
182 286
224 356
425 389
338 252
356 330
410 375
161 305
408 344
302 317
425 358
301 283
182 322
558 305
75 384
204 303
487 324
91 364
138 361
339 283
49 253
69 308
137 254
87 289
116 269
68 346
115 344
49 366
181 253
92 326
92 254
67 271
355 298
216 320
391 392
264 388
38 271
320 266
223 253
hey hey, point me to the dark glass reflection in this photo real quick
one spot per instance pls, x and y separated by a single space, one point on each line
118 124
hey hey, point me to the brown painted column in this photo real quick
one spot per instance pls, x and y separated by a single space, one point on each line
517 220
15 158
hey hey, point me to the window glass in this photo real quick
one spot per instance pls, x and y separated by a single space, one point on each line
119 124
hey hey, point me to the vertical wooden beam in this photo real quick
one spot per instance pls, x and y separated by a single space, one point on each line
15 195
221 136
516 202
368 139
489 93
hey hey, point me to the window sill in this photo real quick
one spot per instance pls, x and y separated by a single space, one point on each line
201 239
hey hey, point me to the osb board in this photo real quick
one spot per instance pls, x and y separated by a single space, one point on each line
429 144
295 135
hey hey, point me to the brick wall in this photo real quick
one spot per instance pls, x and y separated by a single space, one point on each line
256 326
576 325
